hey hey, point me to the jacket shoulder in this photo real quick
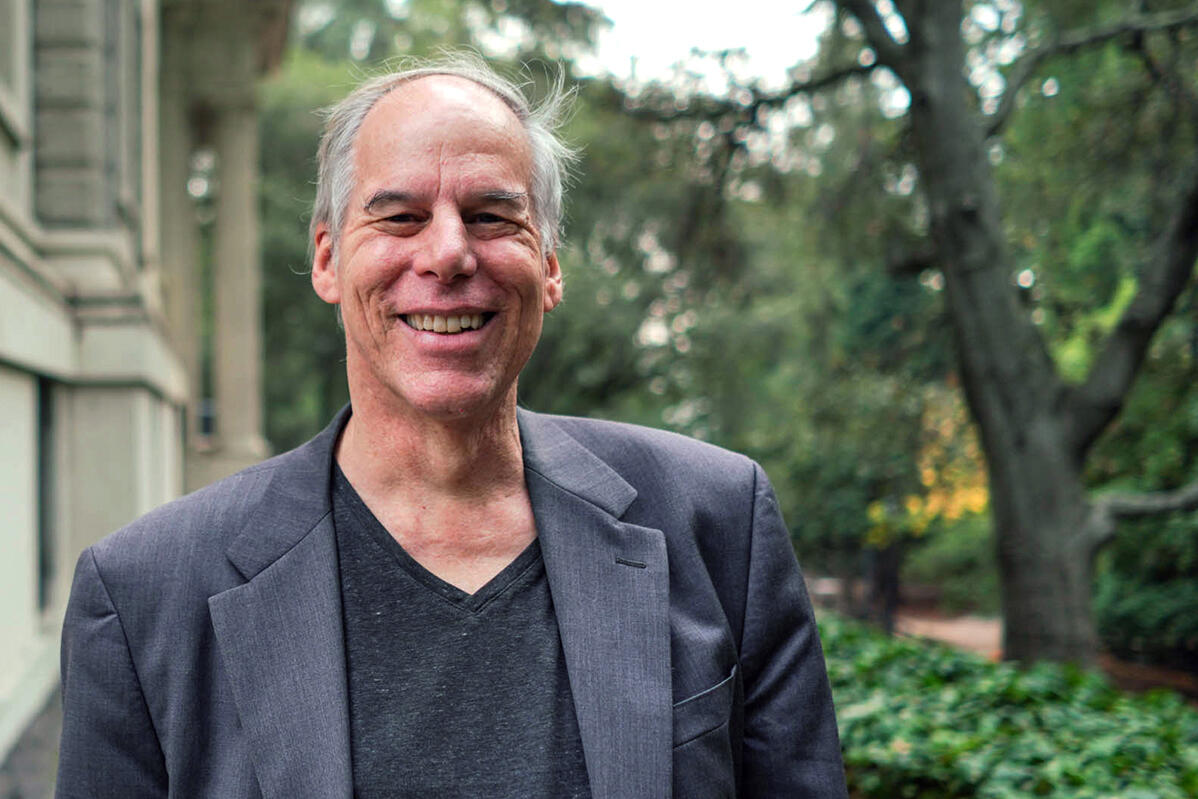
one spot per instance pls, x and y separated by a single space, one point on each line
183 542
631 447
212 509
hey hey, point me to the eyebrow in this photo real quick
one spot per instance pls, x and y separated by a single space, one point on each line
386 197
506 197
392 196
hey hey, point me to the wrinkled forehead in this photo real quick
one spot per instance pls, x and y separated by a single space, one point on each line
442 111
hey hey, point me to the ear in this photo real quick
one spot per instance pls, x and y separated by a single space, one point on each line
324 268
553 282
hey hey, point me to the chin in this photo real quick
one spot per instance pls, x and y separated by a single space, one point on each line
445 403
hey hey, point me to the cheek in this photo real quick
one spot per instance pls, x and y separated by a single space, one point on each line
373 268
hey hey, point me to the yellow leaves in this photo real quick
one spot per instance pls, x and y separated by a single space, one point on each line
878 537
950 463
951 471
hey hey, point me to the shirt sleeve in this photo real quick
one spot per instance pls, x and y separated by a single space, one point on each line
791 746
109 747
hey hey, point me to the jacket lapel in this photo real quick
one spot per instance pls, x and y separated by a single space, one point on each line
280 633
610 586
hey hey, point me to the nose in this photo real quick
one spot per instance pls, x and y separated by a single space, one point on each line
445 251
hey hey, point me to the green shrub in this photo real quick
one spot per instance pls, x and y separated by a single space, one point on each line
1146 591
958 558
1157 622
922 720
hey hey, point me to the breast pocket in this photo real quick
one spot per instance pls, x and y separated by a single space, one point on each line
705 711
703 767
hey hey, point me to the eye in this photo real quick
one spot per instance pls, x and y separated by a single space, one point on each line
488 225
486 218
402 223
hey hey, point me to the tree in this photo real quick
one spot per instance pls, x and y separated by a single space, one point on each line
1036 428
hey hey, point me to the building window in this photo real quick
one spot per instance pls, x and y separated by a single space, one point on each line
47 499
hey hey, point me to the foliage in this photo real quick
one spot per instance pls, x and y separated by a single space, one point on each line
1146 597
371 31
958 559
922 720
1081 168
304 370
1155 621
1146 593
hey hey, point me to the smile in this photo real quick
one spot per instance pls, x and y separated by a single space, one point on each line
446 324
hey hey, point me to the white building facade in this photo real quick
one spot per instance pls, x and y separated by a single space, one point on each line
103 106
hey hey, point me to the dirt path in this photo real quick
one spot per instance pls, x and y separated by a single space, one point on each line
983 635
979 634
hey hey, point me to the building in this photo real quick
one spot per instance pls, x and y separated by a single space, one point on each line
106 107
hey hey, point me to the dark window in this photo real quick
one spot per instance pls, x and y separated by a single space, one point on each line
46 494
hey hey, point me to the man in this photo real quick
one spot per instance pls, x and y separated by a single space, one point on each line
442 595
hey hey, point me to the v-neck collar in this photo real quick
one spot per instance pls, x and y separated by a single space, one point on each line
350 509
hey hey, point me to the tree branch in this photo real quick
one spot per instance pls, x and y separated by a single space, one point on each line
889 51
912 261
1168 76
707 107
1109 508
1138 506
1072 41
1092 406
812 85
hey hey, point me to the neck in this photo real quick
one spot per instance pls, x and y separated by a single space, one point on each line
395 452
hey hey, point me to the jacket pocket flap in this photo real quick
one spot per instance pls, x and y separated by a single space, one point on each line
703 712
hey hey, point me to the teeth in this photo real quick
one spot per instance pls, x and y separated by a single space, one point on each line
444 324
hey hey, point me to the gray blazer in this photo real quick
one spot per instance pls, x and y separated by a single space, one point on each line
203 652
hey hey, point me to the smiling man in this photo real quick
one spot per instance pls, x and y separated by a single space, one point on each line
442 595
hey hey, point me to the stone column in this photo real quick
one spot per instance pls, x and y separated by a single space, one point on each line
237 333
180 243
217 51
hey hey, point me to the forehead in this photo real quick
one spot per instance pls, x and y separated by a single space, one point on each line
433 120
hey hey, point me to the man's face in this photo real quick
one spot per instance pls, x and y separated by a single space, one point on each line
438 269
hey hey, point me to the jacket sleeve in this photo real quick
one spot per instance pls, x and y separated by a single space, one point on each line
791 747
108 747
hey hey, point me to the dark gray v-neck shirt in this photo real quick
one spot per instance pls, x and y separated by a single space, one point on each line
452 695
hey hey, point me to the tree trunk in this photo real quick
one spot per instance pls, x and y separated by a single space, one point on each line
1040 514
1037 500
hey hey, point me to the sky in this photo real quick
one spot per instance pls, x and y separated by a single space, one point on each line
658 33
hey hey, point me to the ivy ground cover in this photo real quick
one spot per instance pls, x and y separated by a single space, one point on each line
921 720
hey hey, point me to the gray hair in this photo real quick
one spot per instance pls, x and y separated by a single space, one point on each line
551 157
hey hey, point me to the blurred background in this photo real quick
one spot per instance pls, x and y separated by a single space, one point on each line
930 263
